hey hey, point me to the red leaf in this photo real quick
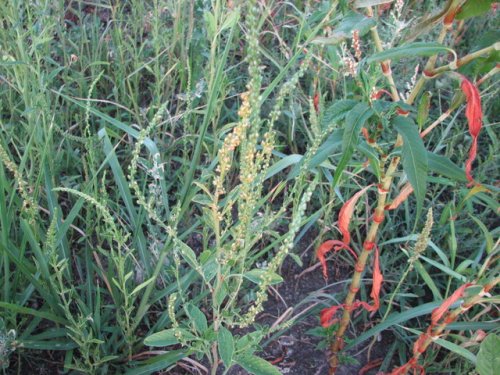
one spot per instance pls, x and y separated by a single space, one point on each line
474 115
370 365
419 345
378 279
326 316
327 246
438 313
316 102
402 196
346 212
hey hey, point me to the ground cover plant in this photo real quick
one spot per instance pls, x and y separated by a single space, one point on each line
164 165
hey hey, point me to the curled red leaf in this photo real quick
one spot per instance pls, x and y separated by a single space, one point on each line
438 313
378 94
401 197
328 246
474 114
378 279
326 316
346 212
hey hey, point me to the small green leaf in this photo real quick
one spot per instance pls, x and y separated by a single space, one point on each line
414 161
337 111
407 50
198 318
353 123
488 358
256 275
168 337
141 286
257 366
372 156
188 254
423 109
225 343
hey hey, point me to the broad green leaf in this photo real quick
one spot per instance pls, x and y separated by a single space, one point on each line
282 164
188 254
197 317
168 337
414 161
444 166
256 275
474 8
257 366
409 50
350 22
488 358
225 344
353 123
337 111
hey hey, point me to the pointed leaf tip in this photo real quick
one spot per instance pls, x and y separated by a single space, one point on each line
346 212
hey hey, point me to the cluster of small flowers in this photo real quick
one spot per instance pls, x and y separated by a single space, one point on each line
348 61
423 238
266 278
29 205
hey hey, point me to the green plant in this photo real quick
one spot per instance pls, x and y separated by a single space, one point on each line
407 149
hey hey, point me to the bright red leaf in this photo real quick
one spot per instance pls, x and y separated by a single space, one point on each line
378 279
438 313
474 115
402 196
326 316
327 246
346 212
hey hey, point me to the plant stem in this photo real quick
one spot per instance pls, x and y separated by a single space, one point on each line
429 66
361 264
432 333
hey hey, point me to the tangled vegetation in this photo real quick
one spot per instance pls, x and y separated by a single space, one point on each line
166 165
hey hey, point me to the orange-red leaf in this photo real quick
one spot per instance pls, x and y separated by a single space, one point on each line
378 279
316 102
438 313
474 114
421 344
327 246
346 212
326 316
402 196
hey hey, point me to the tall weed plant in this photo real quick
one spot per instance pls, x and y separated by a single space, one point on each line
159 161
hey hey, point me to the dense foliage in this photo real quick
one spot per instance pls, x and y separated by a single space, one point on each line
163 162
